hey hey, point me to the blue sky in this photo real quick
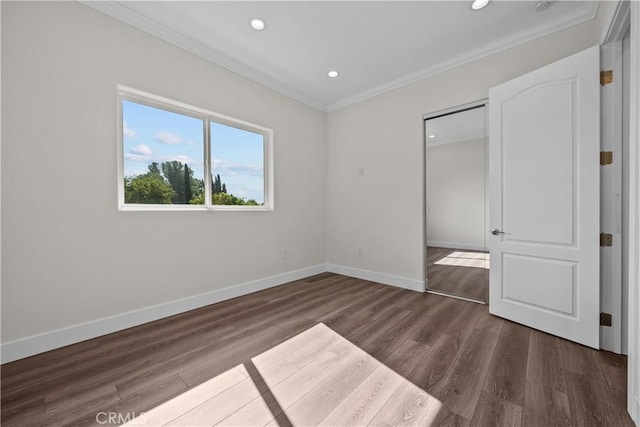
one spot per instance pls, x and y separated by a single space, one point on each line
155 135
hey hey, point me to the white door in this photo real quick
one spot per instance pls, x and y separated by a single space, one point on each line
544 196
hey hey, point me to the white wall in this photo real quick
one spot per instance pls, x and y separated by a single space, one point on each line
68 255
456 194
382 211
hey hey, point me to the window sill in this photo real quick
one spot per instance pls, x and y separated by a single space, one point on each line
192 208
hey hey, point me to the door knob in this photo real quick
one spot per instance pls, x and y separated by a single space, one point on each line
496 232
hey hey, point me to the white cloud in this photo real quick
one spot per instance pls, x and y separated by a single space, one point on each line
225 167
128 133
141 149
169 138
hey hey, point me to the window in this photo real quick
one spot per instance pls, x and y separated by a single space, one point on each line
177 157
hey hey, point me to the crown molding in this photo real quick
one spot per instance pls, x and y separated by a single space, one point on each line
584 14
122 13
119 11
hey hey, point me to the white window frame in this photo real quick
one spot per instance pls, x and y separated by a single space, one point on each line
134 95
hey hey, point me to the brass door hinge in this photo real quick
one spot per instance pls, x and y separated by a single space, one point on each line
606 239
606 157
605 319
606 77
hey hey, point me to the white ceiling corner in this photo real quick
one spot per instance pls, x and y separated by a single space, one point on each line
377 45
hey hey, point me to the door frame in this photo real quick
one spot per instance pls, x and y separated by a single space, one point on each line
452 110
611 199
628 14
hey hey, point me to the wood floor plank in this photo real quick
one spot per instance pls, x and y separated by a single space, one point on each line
274 371
447 418
406 358
394 335
136 406
588 405
545 406
314 336
433 369
350 307
36 367
581 360
220 406
408 406
256 413
495 411
452 317
614 368
20 412
199 366
461 389
491 322
337 299
381 330
322 399
544 361
82 405
297 386
362 405
344 321
193 397
437 365
508 371
362 314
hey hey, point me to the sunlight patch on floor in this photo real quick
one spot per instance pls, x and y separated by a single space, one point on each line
466 259
315 378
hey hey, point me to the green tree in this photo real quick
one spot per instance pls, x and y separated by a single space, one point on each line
154 168
173 172
188 191
231 200
216 185
149 188
197 200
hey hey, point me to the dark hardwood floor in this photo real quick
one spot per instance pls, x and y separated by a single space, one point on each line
483 370
458 272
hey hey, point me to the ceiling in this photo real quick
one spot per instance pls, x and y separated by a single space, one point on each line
375 45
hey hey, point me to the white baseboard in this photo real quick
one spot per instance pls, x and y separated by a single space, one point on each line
36 344
30 346
457 245
374 276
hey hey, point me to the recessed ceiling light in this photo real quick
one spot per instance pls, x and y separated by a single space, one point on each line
479 4
432 136
257 24
333 74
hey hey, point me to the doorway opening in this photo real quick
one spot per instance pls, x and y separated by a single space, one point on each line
456 164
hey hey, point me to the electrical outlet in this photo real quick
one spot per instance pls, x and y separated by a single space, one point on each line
361 172
360 251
